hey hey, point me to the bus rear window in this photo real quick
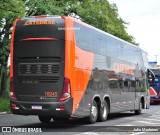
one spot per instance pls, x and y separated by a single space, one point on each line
39 28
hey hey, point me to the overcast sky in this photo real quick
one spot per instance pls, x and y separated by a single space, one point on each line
144 23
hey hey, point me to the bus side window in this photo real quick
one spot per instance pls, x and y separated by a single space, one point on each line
121 83
113 83
126 83
137 83
133 84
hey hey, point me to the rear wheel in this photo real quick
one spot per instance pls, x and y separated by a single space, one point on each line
93 113
44 119
103 112
139 111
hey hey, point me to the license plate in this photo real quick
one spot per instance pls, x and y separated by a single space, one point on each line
36 107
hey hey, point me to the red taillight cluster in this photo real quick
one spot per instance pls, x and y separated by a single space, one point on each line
66 92
12 89
63 17
61 107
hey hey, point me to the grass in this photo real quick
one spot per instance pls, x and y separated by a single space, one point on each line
5 102
4 105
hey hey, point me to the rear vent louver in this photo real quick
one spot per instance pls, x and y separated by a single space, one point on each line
39 71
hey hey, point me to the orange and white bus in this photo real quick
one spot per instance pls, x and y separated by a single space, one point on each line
62 67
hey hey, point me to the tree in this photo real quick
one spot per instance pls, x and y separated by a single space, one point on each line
9 11
104 16
98 13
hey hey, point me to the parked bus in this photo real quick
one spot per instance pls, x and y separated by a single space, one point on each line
62 67
155 86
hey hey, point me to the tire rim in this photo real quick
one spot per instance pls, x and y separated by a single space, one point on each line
104 111
140 106
94 112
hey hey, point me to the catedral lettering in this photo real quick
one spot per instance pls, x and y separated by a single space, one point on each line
59 74
42 22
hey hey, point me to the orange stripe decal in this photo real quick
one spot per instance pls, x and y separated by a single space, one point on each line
152 91
78 65
11 47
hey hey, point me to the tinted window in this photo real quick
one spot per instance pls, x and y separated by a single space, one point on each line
99 43
111 47
145 59
121 51
130 55
84 37
23 31
138 57
156 72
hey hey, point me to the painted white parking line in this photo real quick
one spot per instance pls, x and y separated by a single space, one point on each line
101 133
123 125
137 133
152 119
87 133
157 112
146 122
155 116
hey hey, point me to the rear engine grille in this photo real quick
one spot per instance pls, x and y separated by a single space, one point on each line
38 71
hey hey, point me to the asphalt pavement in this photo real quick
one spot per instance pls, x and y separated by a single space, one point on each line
121 123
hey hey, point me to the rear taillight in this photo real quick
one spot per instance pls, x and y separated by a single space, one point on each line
63 17
66 92
12 89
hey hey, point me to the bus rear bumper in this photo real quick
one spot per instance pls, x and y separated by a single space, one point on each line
53 109
155 99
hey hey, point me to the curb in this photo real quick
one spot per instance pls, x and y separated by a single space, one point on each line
2 113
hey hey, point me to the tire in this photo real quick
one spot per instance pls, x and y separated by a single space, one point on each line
93 113
44 119
60 119
103 112
139 111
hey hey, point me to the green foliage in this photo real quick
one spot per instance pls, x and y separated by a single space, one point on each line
7 93
104 16
41 7
9 11
141 89
4 105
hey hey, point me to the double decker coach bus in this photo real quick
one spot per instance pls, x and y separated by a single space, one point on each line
155 86
62 68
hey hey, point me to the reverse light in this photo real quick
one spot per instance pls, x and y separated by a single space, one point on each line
61 108
12 89
66 92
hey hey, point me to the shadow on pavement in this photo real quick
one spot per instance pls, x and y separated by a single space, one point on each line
76 125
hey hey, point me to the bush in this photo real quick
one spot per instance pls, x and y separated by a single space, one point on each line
4 105
7 94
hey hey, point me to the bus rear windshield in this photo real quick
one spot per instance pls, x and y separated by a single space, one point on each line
44 28
156 72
